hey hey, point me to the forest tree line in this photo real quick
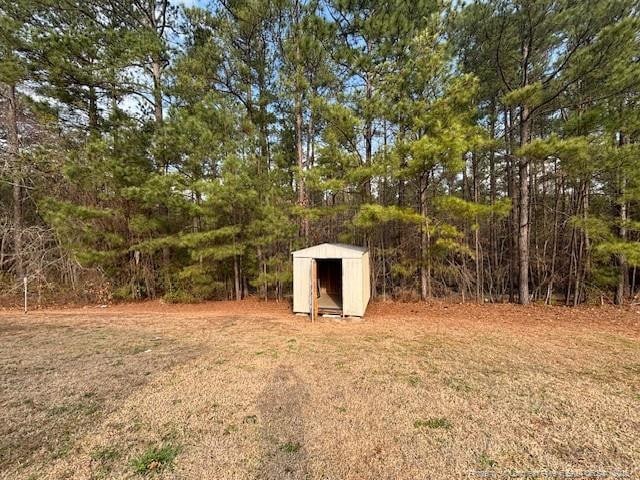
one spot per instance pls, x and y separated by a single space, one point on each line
481 149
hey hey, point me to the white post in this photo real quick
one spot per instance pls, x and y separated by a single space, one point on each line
24 282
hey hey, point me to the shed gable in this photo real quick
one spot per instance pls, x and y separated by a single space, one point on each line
330 250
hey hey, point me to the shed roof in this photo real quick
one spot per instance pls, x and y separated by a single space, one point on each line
330 250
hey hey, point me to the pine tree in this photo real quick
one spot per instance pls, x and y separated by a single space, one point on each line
194 148
13 72
543 52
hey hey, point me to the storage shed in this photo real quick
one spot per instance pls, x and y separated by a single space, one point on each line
331 278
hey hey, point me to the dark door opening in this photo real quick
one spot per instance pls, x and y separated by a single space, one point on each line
329 285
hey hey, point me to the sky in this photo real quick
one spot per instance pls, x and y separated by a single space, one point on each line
190 3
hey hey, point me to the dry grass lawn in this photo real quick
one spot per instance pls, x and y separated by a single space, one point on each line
249 391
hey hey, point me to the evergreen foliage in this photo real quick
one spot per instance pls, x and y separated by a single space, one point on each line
487 149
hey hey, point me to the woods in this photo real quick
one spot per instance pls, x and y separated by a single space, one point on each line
486 150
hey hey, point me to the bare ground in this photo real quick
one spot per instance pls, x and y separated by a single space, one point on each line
248 391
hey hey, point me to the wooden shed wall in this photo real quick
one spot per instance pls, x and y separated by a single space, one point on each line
301 285
352 287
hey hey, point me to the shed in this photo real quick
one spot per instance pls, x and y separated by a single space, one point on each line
333 278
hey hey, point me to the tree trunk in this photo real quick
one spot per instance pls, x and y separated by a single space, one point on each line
554 248
523 212
425 260
156 72
623 267
236 277
368 134
476 229
302 198
493 237
572 264
372 268
384 268
13 147
513 215
93 110
158 114
17 226
586 253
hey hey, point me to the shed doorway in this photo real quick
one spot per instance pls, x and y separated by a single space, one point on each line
334 273
329 289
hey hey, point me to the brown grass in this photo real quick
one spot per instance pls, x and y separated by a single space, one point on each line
247 390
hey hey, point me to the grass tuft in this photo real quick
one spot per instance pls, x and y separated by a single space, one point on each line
458 384
485 461
290 447
155 459
229 429
104 455
79 408
434 423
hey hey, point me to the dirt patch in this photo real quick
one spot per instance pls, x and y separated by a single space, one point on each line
248 391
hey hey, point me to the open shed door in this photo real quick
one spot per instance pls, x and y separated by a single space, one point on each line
302 285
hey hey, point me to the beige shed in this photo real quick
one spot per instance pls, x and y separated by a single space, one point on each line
331 278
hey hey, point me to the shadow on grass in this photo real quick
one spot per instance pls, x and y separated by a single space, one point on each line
283 434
